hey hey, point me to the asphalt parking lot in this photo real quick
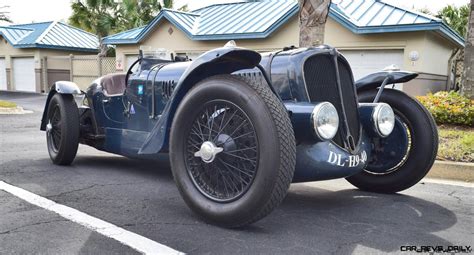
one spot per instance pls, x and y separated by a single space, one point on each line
315 218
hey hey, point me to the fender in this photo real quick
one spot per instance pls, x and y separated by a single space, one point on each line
224 60
374 80
61 87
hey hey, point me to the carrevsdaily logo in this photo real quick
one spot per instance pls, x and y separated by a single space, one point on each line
437 249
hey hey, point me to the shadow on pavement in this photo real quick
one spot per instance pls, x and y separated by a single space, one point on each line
332 220
310 219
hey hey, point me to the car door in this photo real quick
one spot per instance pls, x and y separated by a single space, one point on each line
113 107
112 99
139 99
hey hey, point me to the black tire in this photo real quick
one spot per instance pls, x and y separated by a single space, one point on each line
252 107
421 153
62 135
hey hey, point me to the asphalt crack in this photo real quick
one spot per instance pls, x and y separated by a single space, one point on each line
91 187
25 172
454 196
158 223
369 228
15 230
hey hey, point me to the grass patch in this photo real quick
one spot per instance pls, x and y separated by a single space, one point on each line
456 143
6 104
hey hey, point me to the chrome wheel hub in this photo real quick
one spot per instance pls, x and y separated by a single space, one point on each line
208 151
49 127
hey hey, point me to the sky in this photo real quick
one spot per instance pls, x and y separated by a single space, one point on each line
27 11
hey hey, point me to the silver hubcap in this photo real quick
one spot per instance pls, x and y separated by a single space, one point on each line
49 127
208 152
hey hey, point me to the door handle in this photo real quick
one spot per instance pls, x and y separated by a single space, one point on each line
106 100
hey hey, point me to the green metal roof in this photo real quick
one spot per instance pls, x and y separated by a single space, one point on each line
240 20
258 19
50 35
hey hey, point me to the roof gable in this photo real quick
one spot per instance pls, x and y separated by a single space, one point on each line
239 20
14 35
258 19
377 16
51 35
379 13
243 17
36 30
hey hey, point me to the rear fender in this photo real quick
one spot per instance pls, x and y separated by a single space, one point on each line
224 60
61 87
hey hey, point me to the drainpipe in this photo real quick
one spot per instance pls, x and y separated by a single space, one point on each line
449 82
45 75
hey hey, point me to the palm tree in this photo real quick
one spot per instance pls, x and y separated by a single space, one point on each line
456 18
168 4
313 15
467 88
95 16
136 13
4 14
425 10
103 17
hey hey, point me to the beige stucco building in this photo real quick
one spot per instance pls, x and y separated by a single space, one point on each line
25 48
371 34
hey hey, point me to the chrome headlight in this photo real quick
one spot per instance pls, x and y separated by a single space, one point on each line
325 120
384 119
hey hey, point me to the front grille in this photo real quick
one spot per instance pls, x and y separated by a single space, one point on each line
321 83
349 97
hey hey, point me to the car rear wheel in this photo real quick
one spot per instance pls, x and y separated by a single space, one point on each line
397 162
232 150
62 130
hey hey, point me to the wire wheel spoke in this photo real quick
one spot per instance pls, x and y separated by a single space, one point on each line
231 173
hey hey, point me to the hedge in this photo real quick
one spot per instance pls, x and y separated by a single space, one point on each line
449 108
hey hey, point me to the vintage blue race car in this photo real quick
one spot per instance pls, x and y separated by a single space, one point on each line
239 126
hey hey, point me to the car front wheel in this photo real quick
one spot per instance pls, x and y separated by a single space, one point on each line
232 150
402 159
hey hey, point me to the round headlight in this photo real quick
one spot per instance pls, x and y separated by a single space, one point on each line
325 120
384 119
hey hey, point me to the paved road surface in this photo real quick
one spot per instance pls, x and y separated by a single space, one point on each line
322 217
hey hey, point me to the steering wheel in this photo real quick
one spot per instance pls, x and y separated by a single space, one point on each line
129 71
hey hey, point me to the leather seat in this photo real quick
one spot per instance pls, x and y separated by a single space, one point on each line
113 84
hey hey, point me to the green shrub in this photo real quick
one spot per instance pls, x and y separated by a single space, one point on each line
449 108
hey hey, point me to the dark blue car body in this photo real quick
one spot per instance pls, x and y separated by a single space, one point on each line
137 123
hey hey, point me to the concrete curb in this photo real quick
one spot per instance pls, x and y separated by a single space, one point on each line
18 93
14 110
452 171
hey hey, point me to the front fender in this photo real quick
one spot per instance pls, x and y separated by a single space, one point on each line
224 60
374 80
61 87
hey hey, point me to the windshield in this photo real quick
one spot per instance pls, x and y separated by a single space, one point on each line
155 53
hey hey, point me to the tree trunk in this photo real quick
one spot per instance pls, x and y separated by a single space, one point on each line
102 49
313 15
467 88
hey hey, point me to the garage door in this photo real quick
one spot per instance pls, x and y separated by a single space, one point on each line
364 62
3 75
24 74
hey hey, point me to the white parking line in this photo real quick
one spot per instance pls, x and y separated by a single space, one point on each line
137 242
